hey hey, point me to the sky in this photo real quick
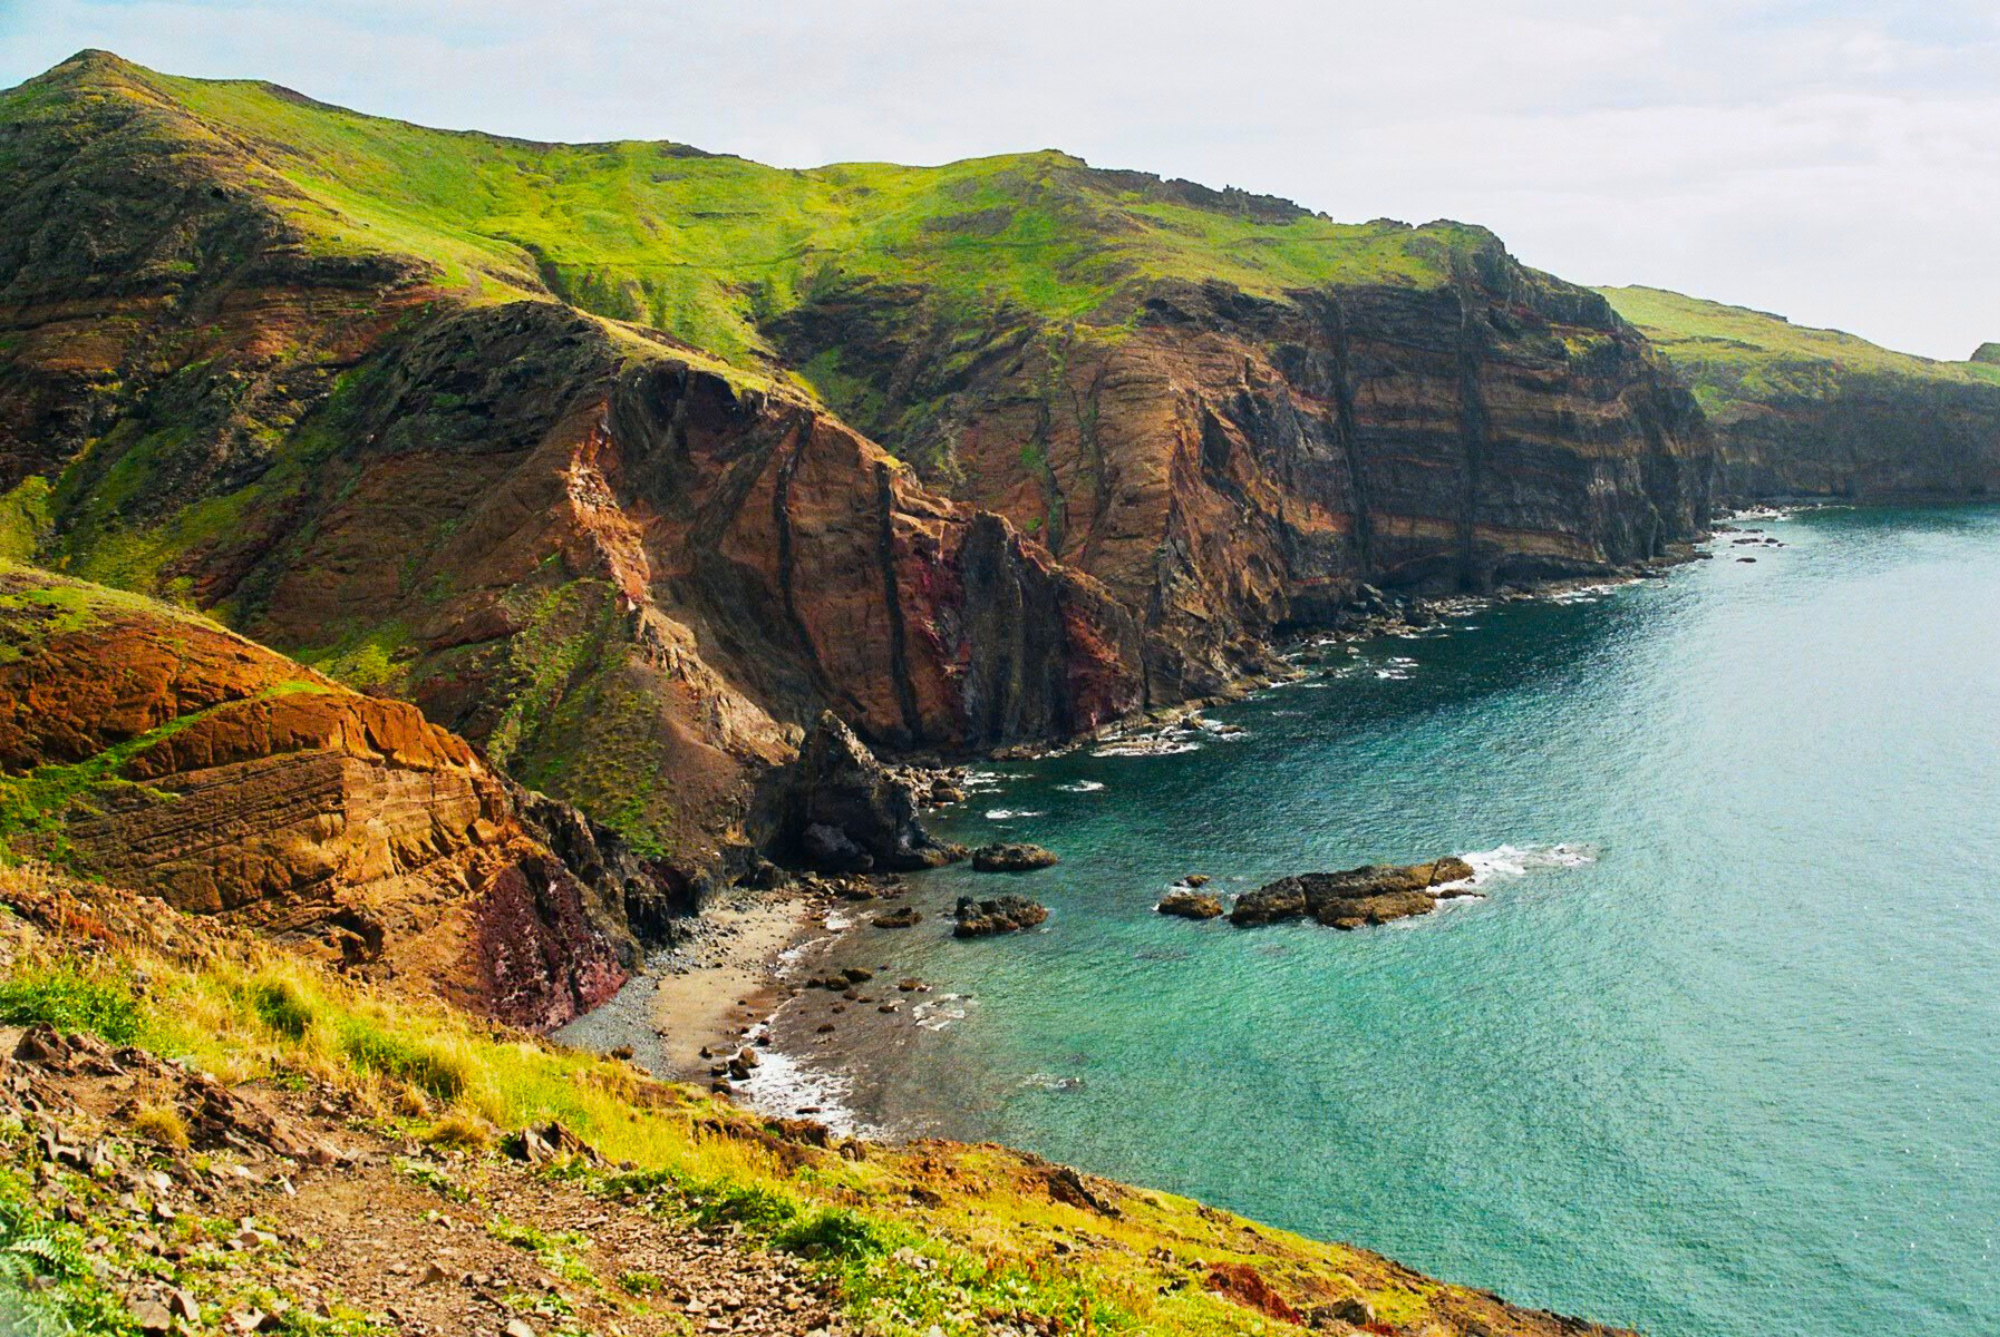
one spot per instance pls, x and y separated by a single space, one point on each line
1835 162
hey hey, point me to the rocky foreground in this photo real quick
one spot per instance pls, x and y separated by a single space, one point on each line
330 1158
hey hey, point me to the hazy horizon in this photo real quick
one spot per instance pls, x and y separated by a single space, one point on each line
1829 162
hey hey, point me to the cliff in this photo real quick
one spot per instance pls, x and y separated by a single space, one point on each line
1802 412
153 750
625 461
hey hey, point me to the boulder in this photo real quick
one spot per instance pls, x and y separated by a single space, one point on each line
1012 858
1004 914
1189 905
907 916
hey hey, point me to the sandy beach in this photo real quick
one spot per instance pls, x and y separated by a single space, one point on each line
708 992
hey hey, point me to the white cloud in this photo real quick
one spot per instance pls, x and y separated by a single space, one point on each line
1836 161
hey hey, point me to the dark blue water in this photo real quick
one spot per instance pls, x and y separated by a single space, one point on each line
1739 1073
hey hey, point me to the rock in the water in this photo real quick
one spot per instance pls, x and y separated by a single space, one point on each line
907 916
1374 894
1189 905
1004 914
1012 858
840 810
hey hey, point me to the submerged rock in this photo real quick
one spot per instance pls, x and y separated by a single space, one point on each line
1190 905
1374 894
1004 914
1012 858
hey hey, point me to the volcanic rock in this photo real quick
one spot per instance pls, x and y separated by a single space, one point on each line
1012 858
1003 914
1189 905
1373 894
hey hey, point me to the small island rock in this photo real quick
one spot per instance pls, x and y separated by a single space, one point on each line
1190 905
1004 914
1374 894
1012 858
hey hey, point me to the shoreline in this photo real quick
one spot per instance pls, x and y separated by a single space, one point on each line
748 977
709 994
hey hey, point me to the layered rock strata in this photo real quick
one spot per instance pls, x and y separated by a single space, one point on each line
154 750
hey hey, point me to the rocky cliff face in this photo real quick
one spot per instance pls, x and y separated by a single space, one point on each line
1230 466
631 570
156 751
1803 413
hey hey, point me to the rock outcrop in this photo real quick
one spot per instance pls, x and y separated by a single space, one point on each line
154 750
1190 904
1002 914
1356 897
839 810
1013 858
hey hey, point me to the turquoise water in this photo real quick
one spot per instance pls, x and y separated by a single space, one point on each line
1739 1074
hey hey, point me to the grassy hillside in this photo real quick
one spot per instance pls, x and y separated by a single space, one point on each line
710 248
971 1239
1731 355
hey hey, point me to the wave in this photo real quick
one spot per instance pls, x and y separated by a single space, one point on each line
1082 787
1009 814
786 1086
1506 863
1147 747
935 1015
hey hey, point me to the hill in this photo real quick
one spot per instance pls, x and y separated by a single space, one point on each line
1801 412
624 461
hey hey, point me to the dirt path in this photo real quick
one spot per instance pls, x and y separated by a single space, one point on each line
351 1225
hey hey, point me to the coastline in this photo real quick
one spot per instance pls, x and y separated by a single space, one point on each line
752 971
709 993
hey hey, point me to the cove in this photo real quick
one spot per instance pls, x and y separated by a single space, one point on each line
1719 1052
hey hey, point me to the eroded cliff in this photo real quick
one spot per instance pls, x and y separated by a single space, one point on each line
1805 413
154 750
587 449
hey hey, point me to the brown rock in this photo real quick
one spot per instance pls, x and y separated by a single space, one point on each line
1189 905
1012 858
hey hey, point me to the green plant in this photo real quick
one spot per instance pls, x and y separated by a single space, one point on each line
71 997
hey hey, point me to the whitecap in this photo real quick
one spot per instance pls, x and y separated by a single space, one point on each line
1082 787
935 1015
1508 862
1010 814
781 1085
1147 747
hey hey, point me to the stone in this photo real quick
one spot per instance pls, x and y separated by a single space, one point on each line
1190 905
1354 897
906 916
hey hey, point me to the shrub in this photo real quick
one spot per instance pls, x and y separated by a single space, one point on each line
279 1005
66 997
834 1234
161 1124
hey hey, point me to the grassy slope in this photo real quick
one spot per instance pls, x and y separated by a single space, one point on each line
932 1233
705 247
1732 354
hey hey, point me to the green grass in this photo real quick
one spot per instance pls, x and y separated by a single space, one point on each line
71 997
709 249
1732 354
